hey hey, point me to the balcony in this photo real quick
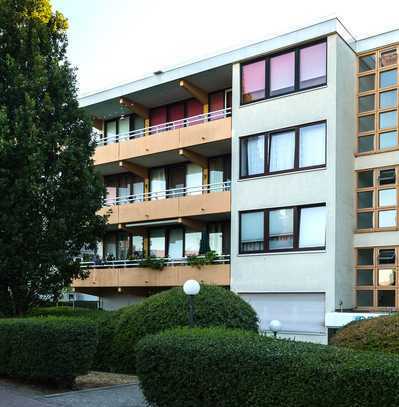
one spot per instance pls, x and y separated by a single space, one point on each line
132 273
168 204
213 127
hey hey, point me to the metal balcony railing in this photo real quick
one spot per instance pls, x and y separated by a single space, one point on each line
169 193
183 261
101 140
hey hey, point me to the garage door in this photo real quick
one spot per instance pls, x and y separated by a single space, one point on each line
297 312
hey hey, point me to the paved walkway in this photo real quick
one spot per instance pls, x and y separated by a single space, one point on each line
128 395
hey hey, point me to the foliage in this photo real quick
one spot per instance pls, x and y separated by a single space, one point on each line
200 261
46 169
230 368
47 349
103 320
374 334
214 306
155 263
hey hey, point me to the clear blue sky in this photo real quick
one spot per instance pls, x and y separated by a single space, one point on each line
114 41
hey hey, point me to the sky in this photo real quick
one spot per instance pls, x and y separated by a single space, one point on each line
117 41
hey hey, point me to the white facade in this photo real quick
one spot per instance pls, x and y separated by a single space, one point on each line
327 272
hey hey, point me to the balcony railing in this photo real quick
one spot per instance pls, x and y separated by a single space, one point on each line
177 124
183 261
169 193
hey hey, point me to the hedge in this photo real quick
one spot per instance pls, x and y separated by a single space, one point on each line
230 368
214 306
47 349
105 322
374 334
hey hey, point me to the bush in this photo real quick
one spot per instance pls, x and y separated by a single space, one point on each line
104 321
230 368
214 306
47 349
374 334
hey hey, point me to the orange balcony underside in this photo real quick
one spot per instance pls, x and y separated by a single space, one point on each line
184 137
171 276
194 205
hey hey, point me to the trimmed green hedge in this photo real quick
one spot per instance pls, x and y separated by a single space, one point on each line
214 306
374 334
105 323
47 349
230 368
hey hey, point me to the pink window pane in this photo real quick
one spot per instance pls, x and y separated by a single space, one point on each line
158 119
253 81
176 112
282 74
194 108
216 104
313 66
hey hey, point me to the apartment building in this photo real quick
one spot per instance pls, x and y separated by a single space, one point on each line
280 158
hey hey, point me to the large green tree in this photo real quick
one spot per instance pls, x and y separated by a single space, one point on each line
49 191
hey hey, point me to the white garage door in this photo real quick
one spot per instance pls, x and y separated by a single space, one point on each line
297 312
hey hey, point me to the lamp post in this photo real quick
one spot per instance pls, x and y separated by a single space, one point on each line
275 327
191 288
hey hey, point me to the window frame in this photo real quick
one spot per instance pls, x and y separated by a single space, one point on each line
267 146
296 230
297 64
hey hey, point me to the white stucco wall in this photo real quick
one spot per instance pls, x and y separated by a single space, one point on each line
299 271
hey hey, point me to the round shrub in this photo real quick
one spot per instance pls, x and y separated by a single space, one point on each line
374 334
47 349
229 368
214 306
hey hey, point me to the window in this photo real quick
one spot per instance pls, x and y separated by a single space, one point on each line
388 58
252 232
157 242
301 68
366 143
313 66
253 81
366 83
287 229
376 199
366 123
388 78
282 151
388 99
123 188
365 277
282 74
367 63
289 150
366 103
388 120
388 139
192 242
252 155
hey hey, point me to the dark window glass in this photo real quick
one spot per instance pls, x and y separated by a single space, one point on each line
365 179
367 63
365 220
252 232
366 83
366 123
253 81
387 177
365 257
365 199
386 298
389 58
282 74
366 103
364 298
388 78
366 143
386 256
252 155
313 66
365 277
388 139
